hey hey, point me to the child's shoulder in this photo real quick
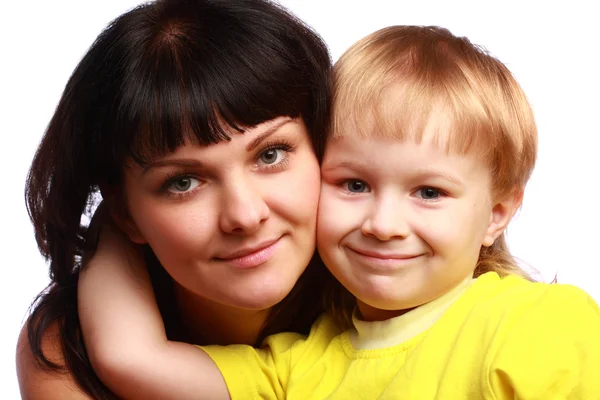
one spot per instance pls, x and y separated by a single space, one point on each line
517 296
541 338
511 312
324 330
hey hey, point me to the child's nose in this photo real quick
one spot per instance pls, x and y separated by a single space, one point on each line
387 220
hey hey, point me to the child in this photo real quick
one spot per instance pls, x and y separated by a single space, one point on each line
432 144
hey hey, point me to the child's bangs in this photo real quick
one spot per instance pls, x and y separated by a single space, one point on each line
421 83
415 108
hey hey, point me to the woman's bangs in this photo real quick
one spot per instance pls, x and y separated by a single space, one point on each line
184 93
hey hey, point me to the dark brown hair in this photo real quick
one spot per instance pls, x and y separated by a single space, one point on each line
161 73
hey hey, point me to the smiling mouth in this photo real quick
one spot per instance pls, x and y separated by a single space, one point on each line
251 257
384 256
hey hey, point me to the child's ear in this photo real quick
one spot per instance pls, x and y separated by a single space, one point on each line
117 209
502 212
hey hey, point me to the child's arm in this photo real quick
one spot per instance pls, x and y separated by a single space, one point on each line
124 332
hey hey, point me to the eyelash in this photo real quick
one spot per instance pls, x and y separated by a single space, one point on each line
284 145
441 193
172 177
344 184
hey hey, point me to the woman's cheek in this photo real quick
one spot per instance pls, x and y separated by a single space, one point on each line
298 191
329 218
309 188
176 230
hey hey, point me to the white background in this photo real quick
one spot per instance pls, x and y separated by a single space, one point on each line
552 50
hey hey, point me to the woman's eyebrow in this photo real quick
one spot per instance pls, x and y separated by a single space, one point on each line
180 162
192 163
268 132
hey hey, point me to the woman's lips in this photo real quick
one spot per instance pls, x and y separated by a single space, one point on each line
251 257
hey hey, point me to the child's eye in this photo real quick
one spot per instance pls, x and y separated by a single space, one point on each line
356 186
429 193
182 184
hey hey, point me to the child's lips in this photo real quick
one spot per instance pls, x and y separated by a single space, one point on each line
383 261
385 255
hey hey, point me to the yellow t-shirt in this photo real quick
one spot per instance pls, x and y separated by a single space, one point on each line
495 338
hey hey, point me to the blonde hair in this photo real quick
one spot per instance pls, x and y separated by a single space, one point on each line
390 84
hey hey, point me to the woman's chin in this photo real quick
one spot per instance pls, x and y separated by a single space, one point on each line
263 298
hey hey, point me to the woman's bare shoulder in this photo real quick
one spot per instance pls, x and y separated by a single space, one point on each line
38 383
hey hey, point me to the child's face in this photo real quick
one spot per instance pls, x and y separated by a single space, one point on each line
401 223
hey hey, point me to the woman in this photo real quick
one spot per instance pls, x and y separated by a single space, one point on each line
200 122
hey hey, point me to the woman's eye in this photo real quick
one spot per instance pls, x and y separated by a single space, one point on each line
183 184
271 156
429 193
356 186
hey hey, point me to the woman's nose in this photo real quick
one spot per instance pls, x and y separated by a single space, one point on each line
244 209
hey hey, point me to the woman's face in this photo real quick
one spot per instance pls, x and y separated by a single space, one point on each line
232 222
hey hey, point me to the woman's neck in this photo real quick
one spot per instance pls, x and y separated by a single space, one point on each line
206 322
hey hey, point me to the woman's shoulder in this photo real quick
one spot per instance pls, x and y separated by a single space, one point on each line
39 382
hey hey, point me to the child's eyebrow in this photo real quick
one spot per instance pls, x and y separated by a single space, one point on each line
346 164
439 174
